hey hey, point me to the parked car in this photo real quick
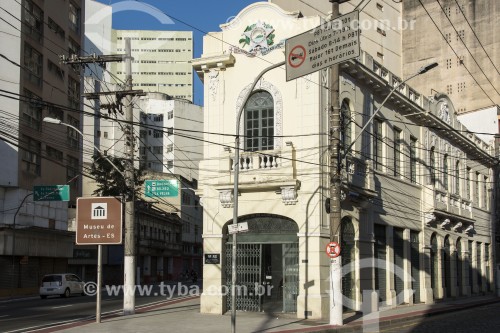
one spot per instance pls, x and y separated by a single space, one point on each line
61 284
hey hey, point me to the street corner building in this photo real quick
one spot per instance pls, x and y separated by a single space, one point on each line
417 209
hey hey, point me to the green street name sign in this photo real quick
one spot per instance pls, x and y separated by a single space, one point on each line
51 193
161 188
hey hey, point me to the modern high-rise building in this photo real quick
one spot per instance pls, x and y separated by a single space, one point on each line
34 85
161 61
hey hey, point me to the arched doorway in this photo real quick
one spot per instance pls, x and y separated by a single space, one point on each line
434 265
458 259
447 266
348 256
267 264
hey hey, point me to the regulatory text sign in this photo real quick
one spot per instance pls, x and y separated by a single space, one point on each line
161 188
98 221
328 44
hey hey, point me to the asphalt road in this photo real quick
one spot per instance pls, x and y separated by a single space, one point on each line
482 319
30 313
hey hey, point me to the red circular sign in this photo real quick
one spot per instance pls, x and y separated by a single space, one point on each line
333 249
297 56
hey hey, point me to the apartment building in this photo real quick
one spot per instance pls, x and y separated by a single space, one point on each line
34 234
417 208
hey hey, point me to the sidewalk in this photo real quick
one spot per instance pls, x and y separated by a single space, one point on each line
184 316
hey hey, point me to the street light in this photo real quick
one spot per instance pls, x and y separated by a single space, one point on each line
99 246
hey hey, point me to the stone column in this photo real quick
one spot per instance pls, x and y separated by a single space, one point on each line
467 260
439 292
391 289
483 268
408 291
475 266
313 301
453 271
212 299
428 296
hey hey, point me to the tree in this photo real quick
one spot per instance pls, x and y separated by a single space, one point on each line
109 181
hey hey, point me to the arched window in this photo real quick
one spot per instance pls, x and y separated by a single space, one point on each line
432 165
445 172
259 122
345 114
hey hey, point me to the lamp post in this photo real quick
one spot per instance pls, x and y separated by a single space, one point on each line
99 246
235 191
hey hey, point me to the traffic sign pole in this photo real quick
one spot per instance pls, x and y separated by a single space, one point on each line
336 305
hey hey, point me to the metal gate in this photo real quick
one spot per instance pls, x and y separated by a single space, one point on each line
398 263
290 277
248 268
381 255
348 257
415 266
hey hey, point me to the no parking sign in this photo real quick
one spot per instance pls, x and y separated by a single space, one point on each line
333 249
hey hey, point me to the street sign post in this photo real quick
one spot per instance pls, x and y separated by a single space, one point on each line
239 227
51 193
161 188
328 44
98 221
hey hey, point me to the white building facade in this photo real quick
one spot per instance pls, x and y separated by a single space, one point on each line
161 61
416 185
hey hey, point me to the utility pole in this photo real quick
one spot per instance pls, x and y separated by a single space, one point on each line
129 175
335 188
130 248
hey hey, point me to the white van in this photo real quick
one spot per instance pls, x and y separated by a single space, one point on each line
61 284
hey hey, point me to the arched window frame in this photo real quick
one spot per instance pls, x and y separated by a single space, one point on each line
259 121
346 133
432 165
445 173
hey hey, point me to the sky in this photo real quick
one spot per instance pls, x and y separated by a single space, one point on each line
191 15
